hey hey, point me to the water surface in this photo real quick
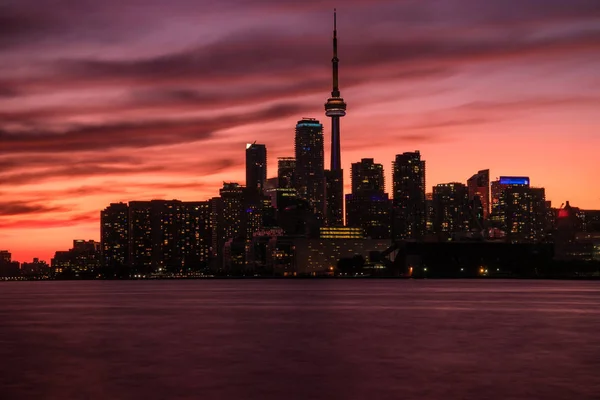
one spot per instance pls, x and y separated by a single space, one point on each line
300 339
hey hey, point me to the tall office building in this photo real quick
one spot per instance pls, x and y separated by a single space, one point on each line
368 206
158 236
409 209
286 170
256 167
371 213
498 212
429 211
479 185
335 108
140 237
232 198
310 175
518 209
451 213
525 213
114 238
197 235
367 177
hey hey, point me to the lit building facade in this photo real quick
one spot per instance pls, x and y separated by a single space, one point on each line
519 209
341 232
114 237
158 236
83 260
310 173
372 213
140 238
233 202
451 212
409 209
367 177
479 186
368 206
256 167
321 256
286 170
197 235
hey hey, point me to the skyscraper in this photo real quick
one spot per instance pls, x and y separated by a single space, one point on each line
409 210
197 235
368 207
310 175
519 209
479 185
232 197
286 169
451 212
498 214
367 177
256 167
140 237
114 237
335 108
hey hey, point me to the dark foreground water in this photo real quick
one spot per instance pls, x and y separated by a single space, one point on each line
300 339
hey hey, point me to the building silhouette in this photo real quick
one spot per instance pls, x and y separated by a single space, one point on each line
451 213
153 237
114 238
84 260
310 175
479 194
256 168
409 208
335 108
367 177
233 202
8 267
368 206
518 209
286 170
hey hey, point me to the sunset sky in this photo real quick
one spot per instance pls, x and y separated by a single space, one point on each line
107 101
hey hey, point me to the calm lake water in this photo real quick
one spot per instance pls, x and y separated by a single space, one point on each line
300 339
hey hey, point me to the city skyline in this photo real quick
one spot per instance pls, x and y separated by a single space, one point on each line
180 137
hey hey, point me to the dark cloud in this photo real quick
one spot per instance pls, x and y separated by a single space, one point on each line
52 170
45 222
13 208
136 135
10 163
76 171
18 25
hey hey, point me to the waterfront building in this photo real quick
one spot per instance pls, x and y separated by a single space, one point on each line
256 168
368 206
479 187
114 237
310 174
83 260
451 214
408 186
286 170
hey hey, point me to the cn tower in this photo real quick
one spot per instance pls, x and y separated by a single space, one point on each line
335 106
334 109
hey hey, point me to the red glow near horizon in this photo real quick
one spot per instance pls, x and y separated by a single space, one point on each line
94 111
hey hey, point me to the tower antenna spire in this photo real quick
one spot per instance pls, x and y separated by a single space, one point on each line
334 21
334 61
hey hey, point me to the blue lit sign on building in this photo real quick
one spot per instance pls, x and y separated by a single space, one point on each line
514 180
